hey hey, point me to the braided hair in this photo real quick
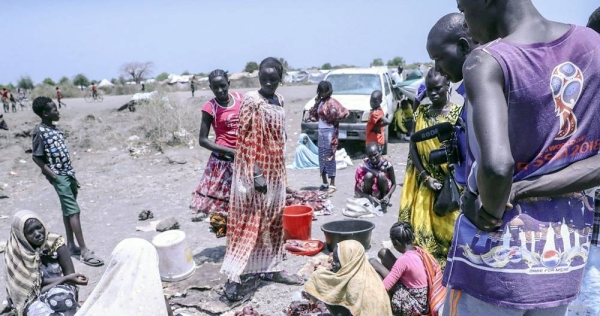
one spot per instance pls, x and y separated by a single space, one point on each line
272 62
402 233
324 92
40 104
217 73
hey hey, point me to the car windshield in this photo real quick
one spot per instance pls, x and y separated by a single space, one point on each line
354 83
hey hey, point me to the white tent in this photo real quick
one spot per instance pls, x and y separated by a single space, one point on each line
105 83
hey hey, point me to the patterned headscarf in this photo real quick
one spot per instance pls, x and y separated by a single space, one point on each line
22 261
356 286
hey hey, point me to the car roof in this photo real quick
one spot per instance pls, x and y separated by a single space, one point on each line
375 71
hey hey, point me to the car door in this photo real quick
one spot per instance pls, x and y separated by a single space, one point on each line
388 96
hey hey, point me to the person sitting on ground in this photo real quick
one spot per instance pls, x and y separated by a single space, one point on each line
375 179
40 278
414 280
3 123
404 120
51 155
352 286
328 112
375 130
306 155
130 285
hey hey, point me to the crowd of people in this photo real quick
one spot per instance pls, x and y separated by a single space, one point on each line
497 218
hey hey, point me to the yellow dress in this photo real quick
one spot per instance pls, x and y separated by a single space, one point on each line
433 233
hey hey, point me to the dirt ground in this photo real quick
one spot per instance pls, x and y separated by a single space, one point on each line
117 186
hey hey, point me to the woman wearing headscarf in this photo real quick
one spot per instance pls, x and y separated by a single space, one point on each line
130 285
40 278
352 286
328 112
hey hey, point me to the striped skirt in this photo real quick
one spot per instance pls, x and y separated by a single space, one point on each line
212 194
326 157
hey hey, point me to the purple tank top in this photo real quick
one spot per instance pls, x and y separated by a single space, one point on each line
536 259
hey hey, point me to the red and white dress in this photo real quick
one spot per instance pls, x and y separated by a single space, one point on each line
255 220
212 194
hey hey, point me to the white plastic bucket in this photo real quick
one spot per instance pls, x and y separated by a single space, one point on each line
176 262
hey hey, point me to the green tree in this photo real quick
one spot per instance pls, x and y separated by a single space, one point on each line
251 66
114 81
377 62
162 76
185 73
396 62
201 75
81 80
25 82
326 66
63 80
122 80
49 81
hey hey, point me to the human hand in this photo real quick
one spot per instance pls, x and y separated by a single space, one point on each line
77 278
385 200
433 184
474 212
260 184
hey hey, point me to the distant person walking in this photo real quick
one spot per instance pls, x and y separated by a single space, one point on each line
143 87
5 100
59 97
192 85
94 90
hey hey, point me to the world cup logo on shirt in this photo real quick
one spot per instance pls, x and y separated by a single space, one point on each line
566 84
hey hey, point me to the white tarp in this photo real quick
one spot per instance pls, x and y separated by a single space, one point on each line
105 83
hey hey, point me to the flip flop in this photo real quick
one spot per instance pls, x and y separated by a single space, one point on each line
324 187
332 189
91 260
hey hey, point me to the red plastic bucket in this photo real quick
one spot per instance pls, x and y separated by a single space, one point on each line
297 222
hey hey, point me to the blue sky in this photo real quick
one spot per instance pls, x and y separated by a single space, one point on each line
62 38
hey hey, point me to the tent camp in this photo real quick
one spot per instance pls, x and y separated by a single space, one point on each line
105 83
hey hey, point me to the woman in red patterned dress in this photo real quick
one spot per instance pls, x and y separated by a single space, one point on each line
211 197
255 222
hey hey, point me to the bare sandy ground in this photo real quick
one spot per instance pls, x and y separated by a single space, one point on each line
116 186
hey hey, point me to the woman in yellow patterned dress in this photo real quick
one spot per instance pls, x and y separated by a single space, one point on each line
423 180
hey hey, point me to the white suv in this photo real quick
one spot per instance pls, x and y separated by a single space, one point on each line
353 88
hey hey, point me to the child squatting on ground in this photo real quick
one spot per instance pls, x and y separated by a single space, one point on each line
50 153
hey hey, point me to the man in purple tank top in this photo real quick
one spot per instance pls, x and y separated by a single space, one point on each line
532 91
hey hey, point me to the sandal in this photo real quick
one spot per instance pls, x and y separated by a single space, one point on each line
90 259
332 189
324 187
231 291
283 278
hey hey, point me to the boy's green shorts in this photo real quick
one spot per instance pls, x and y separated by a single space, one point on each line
66 187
